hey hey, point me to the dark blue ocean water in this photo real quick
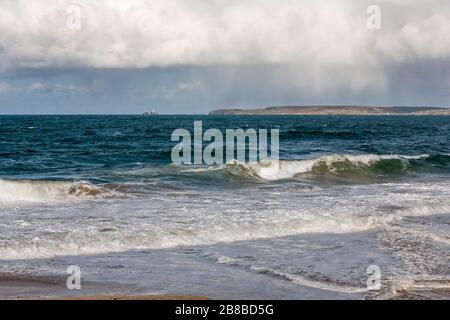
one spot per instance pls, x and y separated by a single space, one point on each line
89 146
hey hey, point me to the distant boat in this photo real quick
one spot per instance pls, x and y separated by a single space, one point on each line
151 113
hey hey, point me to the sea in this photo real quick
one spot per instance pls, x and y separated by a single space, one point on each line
357 208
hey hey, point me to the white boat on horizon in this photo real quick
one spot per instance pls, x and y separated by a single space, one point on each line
151 113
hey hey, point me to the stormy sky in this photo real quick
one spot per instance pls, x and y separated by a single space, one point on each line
191 56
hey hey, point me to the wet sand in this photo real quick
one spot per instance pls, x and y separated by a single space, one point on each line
28 287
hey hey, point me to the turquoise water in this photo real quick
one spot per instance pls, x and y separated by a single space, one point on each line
350 192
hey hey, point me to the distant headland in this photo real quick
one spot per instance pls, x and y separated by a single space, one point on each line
335 110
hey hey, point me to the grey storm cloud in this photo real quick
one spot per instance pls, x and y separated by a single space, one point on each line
219 52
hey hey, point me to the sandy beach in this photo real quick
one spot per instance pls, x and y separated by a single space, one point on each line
28 287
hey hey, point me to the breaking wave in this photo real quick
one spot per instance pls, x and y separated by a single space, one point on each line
369 165
48 191
88 242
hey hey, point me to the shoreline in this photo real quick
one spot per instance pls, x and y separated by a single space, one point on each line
37 287
40 287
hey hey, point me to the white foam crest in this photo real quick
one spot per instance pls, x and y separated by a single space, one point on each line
97 242
226 260
19 191
308 282
298 278
423 210
285 169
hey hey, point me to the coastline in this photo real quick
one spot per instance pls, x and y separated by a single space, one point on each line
335 111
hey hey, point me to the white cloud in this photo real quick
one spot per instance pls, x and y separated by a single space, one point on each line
429 38
58 88
38 87
119 33
191 86
7 88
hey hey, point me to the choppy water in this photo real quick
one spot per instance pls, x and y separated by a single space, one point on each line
101 191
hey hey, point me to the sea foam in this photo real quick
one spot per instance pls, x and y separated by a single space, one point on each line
47 191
